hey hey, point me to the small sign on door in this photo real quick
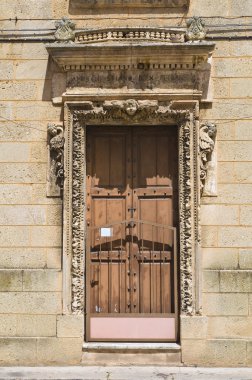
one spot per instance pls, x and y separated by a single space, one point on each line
106 232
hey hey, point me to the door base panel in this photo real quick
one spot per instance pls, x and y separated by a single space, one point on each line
121 328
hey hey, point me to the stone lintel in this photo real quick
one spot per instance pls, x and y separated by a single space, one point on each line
132 55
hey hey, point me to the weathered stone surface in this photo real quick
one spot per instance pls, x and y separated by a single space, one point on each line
46 236
39 195
241 88
246 215
232 194
19 90
36 325
232 67
6 70
221 87
52 351
235 151
229 327
10 281
14 152
31 10
21 50
70 326
243 130
18 351
30 302
243 8
243 172
235 237
15 194
54 258
32 69
225 304
54 215
14 236
212 352
245 258
226 172
208 8
27 131
211 281
249 353
39 111
220 258
209 236
42 280
240 48
22 173
23 258
236 281
39 152
8 325
226 131
193 327
223 109
22 215
219 215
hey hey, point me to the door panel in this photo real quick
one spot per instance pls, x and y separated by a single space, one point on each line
131 218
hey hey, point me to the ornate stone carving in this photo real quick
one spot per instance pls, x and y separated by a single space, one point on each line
195 29
64 30
130 112
56 159
206 143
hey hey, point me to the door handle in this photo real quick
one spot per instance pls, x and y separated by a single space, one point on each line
94 282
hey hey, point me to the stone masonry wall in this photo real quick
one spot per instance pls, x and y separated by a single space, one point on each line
32 327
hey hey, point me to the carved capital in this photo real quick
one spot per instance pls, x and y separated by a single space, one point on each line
64 30
56 159
195 29
207 136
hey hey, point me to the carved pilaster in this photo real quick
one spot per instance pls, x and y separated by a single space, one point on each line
207 137
55 177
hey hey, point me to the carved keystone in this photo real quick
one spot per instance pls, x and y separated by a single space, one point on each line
64 30
55 180
195 29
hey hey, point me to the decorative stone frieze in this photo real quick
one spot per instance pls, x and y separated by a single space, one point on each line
207 137
55 178
130 112
195 29
64 30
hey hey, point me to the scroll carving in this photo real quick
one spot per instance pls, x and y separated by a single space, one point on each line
206 144
195 29
130 112
56 141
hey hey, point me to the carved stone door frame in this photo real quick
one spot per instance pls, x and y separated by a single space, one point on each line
125 110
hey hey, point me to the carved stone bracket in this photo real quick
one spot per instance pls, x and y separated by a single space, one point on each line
206 143
130 112
55 180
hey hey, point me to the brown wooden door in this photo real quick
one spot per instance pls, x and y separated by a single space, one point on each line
131 245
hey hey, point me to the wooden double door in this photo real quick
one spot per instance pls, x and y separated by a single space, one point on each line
131 233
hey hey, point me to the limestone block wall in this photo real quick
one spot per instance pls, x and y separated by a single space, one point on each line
33 329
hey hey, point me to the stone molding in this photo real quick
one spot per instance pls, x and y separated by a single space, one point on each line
129 112
128 3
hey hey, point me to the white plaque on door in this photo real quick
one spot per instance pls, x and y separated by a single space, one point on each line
106 232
